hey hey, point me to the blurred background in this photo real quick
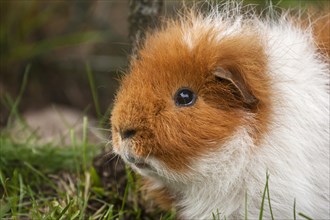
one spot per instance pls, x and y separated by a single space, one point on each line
56 50
70 53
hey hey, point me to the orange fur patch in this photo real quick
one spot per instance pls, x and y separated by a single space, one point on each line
178 135
321 31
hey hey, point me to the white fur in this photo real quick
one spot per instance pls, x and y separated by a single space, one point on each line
226 24
295 151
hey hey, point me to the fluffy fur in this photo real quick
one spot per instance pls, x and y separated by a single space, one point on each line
211 156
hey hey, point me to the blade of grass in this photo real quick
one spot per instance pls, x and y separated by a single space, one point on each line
64 211
263 199
133 189
51 184
216 216
294 209
122 208
29 50
98 213
266 190
4 209
213 216
85 140
75 215
87 186
82 211
31 194
170 215
3 183
93 89
74 146
245 207
127 188
21 192
85 195
109 214
268 195
14 110
304 216
13 193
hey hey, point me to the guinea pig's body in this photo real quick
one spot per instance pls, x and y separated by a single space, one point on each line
214 103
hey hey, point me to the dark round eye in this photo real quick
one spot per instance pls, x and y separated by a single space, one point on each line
185 97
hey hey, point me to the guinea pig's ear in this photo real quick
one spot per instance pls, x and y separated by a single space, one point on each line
238 82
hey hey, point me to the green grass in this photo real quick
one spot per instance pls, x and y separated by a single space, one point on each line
43 181
31 178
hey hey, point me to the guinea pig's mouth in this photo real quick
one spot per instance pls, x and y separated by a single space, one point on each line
142 165
139 163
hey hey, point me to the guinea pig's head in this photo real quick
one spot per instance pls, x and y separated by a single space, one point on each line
191 88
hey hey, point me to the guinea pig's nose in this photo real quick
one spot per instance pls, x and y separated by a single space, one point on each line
128 133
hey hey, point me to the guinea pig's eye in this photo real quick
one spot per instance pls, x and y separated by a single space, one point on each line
184 97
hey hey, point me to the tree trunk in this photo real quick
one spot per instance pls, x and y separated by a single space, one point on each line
144 15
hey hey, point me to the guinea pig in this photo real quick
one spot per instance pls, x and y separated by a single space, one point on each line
216 106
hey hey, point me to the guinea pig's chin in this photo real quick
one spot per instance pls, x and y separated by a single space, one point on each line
149 168
144 171
143 166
